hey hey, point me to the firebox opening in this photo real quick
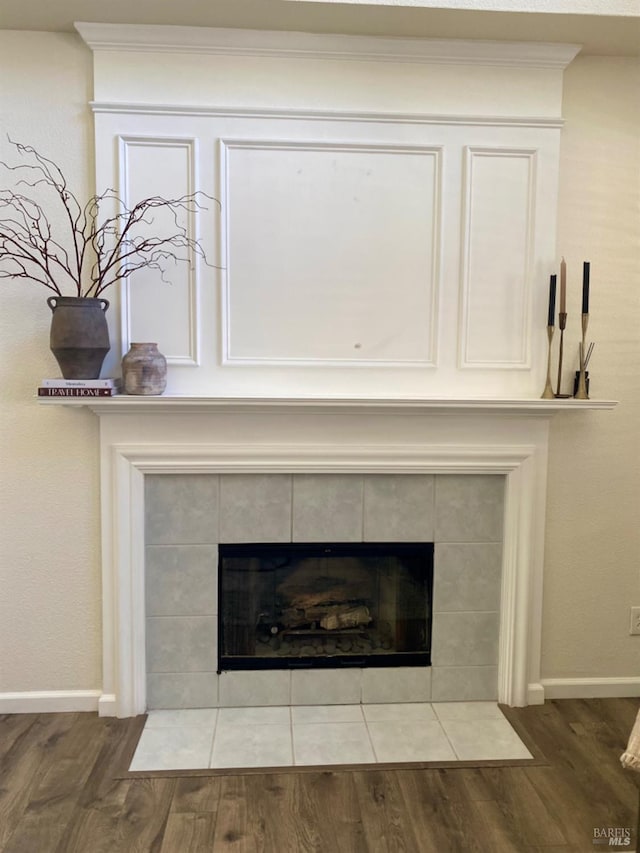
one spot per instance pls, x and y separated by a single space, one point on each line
303 605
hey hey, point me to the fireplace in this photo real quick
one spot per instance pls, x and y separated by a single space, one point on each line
287 445
362 378
341 578
304 605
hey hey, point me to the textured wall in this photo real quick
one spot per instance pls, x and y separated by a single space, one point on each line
592 565
49 530
49 533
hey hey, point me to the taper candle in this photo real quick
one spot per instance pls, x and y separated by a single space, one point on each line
585 287
552 301
563 287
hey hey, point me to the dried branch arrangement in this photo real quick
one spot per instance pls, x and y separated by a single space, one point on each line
94 251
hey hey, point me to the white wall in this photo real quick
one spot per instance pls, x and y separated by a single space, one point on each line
49 516
592 566
49 536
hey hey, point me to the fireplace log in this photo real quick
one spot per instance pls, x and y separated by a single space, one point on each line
314 582
330 617
350 617
330 595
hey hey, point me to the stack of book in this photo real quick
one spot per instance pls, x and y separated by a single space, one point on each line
79 387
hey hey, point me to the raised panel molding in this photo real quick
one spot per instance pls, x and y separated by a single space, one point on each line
167 312
474 158
370 284
497 257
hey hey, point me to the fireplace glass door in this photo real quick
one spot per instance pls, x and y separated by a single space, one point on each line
324 605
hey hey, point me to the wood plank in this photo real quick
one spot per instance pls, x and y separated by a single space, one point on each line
514 805
189 832
196 794
238 826
442 818
143 821
331 799
29 755
383 813
13 727
586 786
94 825
55 796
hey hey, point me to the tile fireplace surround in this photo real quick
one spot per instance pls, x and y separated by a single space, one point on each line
359 437
187 515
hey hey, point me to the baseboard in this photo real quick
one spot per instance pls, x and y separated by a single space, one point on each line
49 701
590 688
535 693
107 706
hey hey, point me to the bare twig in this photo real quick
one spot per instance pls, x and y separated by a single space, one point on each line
95 252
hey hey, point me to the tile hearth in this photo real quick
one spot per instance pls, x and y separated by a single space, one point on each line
302 736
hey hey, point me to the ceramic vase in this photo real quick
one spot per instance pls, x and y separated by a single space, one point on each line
144 370
79 335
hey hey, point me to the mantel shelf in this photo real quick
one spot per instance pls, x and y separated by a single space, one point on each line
124 405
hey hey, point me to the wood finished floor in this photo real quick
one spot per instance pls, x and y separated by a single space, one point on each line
59 793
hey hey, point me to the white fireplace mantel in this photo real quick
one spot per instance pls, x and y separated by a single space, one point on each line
123 404
169 435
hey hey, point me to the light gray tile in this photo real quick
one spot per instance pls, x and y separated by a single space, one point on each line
184 718
326 714
173 749
325 686
476 740
465 639
181 644
270 687
468 711
469 508
259 716
182 690
402 712
467 576
410 741
388 684
181 509
255 508
332 743
181 580
327 508
398 508
253 746
464 683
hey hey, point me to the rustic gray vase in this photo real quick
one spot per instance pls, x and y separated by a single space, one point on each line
144 370
79 335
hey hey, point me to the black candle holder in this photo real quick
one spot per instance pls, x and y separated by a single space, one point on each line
576 381
582 392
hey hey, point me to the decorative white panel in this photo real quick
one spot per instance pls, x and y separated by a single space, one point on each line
497 257
373 241
332 253
162 306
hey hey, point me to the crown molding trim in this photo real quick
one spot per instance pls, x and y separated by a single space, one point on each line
296 45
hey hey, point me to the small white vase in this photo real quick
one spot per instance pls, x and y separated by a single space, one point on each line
144 370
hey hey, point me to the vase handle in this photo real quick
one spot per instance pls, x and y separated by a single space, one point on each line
52 302
105 304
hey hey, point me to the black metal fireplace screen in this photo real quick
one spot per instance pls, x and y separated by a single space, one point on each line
305 605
